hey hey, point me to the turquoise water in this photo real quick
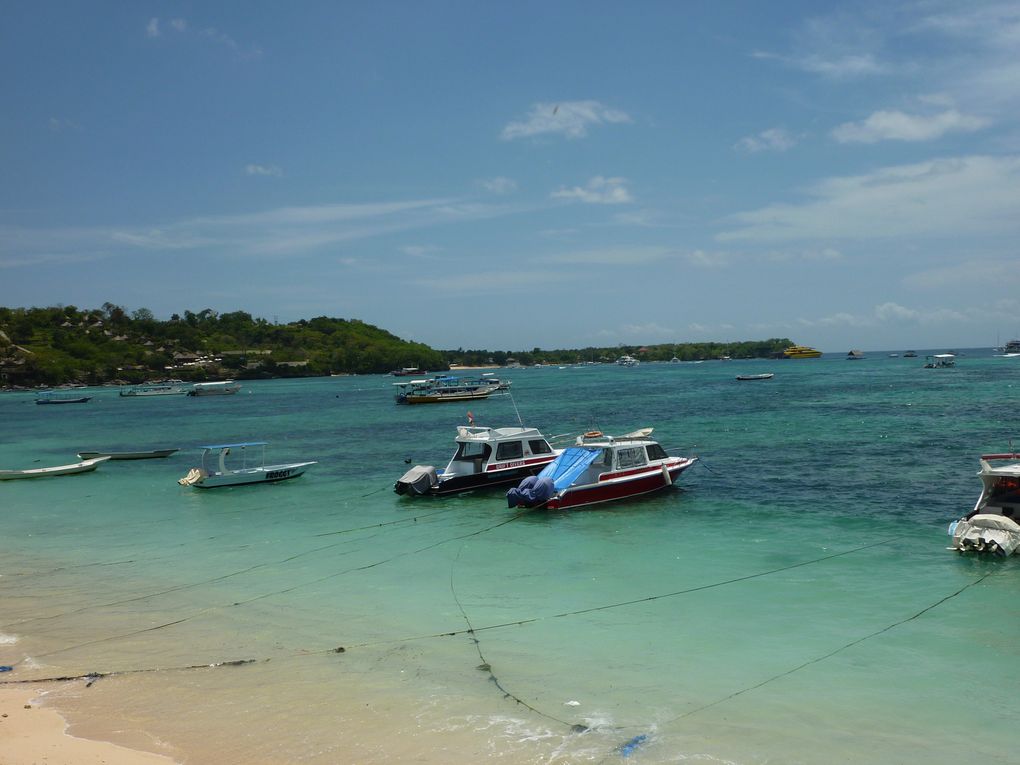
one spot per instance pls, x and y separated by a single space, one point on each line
792 602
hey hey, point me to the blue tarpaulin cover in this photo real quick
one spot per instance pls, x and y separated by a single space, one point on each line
569 465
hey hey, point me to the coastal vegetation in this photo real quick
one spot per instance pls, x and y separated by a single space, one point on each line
65 344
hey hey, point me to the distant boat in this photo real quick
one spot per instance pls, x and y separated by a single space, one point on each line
799 352
762 376
153 454
157 389
940 361
85 466
209 477
855 355
910 355
49 397
225 388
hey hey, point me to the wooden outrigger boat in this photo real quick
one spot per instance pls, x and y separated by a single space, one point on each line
153 454
85 466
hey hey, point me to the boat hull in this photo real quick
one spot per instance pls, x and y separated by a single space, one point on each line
617 488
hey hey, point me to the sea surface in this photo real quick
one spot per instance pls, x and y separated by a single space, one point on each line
791 601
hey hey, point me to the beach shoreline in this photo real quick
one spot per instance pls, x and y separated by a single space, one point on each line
31 733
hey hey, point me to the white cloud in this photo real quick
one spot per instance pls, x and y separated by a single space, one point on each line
953 196
568 118
971 272
599 190
899 126
491 282
774 139
833 66
499 185
270 170
154 29
418 250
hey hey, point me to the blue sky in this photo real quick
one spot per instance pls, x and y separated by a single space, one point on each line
512 175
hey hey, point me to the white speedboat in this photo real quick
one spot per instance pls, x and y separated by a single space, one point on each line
214 471
85 466
225 388
600 469
484 457
993 526
761 376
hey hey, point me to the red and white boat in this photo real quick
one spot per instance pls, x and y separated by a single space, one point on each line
993 526
600 469
484 457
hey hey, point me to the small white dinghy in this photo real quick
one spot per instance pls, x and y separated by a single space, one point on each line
85 466
250 471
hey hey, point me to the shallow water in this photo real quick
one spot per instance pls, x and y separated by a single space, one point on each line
793 602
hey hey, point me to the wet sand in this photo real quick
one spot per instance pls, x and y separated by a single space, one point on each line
32 734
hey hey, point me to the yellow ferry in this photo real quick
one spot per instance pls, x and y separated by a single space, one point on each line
801 352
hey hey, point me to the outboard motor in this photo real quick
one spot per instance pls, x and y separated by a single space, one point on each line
531 492
417 481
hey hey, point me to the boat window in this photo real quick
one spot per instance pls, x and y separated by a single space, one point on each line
540 446
656 452
510 450
632 457
471 450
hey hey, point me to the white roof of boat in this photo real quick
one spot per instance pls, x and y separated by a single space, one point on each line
231 446
483 433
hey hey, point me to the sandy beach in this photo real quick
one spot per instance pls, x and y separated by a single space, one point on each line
31 734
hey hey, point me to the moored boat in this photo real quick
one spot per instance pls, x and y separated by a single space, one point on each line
762 376
940 361
144 455
49 397
799 352
442 389
993 526
157 389
484 457
85 466
599 469
214 471
224 388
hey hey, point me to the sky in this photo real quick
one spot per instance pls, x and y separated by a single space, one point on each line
512 175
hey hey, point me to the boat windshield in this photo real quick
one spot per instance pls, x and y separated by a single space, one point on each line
656 452
473 450
630 457
540 446
510 450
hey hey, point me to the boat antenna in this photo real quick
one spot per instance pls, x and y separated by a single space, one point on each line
516 410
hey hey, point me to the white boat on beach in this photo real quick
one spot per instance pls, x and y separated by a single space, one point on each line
993 526
152 454
484 457
224 388
85 466
214 471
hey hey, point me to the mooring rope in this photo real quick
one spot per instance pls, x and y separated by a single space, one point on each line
485 666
